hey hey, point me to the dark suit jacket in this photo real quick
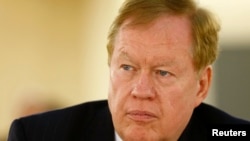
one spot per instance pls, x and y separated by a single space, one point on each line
92 122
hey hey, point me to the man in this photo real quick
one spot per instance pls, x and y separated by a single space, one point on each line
160 56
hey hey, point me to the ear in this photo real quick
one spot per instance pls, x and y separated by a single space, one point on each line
204 81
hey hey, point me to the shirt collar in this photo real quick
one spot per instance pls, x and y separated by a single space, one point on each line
117 137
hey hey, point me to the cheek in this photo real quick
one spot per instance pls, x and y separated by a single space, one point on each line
117 98
180 101
112 94
176 110
191 93
118 91
188 89
120 83
179 97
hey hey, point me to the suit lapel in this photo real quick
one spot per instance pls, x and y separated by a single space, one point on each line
101 127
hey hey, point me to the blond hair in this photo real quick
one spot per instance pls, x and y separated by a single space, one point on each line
204 26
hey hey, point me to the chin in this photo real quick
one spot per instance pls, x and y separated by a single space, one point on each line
139 133
139 138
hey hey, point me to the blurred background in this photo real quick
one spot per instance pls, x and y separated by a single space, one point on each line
53 55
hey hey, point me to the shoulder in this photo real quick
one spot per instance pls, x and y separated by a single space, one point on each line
83 110
212 115
205 118
61 124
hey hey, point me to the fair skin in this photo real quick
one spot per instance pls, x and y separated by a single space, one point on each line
154 86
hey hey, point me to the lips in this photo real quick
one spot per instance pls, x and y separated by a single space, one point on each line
141 116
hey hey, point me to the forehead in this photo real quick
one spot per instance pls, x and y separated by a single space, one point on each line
168 28
166 32
167 40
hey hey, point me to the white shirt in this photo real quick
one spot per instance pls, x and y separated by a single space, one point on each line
117 137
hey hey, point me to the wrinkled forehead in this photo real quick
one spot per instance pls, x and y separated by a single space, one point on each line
165 38
172 30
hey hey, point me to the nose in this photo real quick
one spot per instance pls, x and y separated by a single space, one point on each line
143 87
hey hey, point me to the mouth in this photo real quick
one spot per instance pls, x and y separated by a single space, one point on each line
141 116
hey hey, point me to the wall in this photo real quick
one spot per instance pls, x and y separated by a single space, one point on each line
233 81
52 54
98 16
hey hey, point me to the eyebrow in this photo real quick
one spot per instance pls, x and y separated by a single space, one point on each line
125 55
164 64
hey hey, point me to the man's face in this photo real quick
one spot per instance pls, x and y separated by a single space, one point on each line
153 83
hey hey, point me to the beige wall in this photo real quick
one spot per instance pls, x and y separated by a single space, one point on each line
98 16
52 51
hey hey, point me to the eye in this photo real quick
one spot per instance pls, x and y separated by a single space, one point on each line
162 72
127 67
